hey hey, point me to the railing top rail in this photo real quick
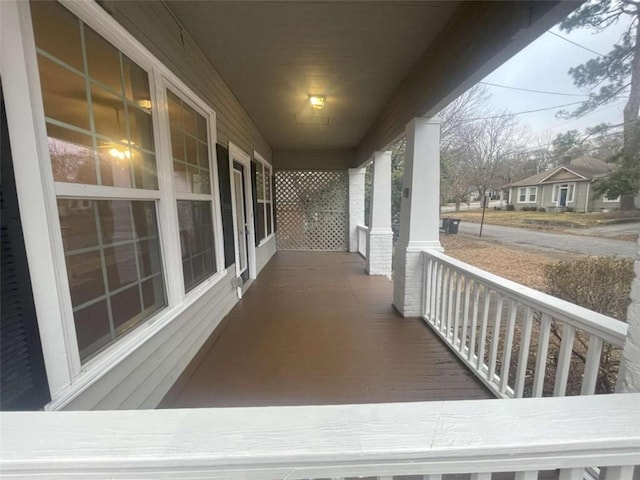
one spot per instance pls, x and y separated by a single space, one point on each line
362 227
325 441
607 328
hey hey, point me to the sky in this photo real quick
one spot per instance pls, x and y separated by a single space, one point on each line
544 65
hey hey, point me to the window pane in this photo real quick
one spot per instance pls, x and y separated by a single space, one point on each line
267 185
259 181
72 156
190 155
104 61
116 121
261 221
122 247
269 223
57 32
64 94
196 241
92 328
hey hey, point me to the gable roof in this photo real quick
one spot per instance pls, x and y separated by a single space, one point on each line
586 168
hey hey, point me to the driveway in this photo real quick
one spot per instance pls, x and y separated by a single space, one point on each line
552 242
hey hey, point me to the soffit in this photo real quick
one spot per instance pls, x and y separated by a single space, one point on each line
274 54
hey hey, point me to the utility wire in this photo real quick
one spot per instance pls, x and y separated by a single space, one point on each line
522 113
575 43
533 91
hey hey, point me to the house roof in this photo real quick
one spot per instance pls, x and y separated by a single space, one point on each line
379 63
583 168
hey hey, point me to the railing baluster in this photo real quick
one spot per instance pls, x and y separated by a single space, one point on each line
439 296
508 346
527 475
426 281
523 357
571 473
564 360
445 295
592 366
468 285
434 290
541 358
481 476
619 473
483 328
456 318
474 322
495 338
449 323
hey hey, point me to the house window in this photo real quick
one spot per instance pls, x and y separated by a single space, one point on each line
192 181
100 135
527 194
610 198
264 214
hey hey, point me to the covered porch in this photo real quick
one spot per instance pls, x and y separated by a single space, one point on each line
313 329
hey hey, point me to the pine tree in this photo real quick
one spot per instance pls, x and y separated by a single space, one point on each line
609 76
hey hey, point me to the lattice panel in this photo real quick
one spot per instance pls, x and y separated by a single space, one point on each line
312 210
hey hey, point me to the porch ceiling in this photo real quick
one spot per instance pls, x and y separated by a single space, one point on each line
368 58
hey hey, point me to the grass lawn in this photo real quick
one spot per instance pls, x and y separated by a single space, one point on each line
542 220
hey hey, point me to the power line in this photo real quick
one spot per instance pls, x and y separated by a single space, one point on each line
523 112
575 43
533 91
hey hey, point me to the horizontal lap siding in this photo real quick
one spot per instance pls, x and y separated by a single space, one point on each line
154 26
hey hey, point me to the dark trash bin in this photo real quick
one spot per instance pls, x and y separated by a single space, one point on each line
452 225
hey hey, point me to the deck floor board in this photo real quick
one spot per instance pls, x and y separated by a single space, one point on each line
314 329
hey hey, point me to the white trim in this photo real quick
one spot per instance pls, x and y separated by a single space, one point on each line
266 239
65 190
36 195
266 165
570 187
235 153
527 191
563 168
606 200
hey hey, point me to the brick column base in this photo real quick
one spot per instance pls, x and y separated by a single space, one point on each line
379 252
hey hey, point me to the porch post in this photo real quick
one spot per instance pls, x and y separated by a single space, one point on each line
420 213
629 374
380 244
356 205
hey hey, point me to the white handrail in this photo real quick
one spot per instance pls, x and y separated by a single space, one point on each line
382 440
363 239
464 326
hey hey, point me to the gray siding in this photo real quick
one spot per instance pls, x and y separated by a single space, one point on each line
154 26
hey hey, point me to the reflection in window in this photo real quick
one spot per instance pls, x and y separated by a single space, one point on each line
189 147
265 204
112 252
196 241
97 104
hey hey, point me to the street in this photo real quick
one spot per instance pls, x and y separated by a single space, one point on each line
554 242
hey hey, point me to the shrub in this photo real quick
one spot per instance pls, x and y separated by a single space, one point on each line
529 209
601 284
511 207
542 209
569 209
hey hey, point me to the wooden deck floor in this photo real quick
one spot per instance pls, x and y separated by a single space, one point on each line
314 329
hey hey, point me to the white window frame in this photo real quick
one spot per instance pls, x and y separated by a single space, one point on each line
606 200
38 193
571 192
266 166
527 193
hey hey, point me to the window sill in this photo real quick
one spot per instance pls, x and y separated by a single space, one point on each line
266 239
104 362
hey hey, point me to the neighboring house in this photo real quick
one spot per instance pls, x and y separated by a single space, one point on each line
566 186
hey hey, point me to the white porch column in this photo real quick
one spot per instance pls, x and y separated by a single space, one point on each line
356 205
629 374
380 244
420 213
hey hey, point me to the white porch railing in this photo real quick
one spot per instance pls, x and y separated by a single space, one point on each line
479 437
363 239
502 331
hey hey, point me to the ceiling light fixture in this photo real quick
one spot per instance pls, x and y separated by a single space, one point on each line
316 101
